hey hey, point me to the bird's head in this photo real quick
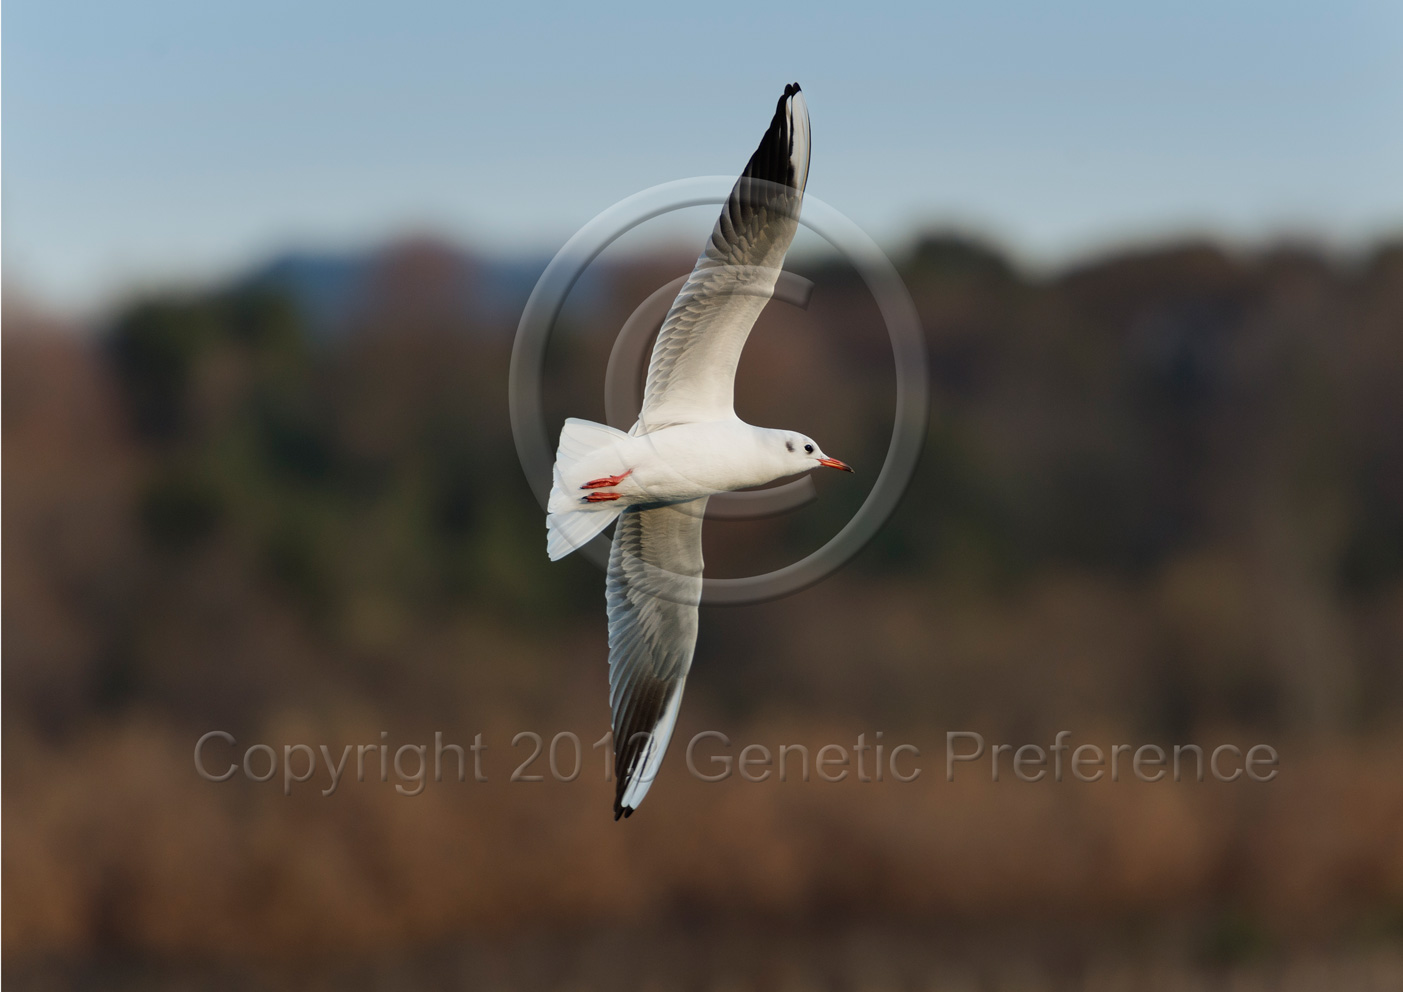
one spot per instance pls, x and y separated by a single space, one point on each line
801 454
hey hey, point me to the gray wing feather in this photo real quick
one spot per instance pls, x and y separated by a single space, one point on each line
692 373
653 589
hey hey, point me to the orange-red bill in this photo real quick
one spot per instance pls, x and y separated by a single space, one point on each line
834 463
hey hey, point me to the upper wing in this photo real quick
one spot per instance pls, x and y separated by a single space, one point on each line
693 370
654 586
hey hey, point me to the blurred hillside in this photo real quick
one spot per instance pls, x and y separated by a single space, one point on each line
1161 499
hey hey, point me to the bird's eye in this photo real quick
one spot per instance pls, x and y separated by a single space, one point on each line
809 448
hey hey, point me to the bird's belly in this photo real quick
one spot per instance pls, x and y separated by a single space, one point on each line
662 483
685 463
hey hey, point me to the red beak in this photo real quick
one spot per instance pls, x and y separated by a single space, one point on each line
834 463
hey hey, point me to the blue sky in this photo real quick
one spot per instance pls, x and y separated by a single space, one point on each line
147 143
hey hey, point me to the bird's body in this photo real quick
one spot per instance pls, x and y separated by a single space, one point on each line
679 463
688 445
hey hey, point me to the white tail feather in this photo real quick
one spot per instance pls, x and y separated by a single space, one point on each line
570 522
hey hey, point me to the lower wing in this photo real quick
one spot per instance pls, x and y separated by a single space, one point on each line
653 589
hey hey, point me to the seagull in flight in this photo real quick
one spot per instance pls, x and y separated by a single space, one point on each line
687 445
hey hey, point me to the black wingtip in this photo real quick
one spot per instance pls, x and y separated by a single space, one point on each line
789 91
774 160
621 810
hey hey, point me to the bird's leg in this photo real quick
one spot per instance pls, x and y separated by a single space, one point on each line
607 481
601 497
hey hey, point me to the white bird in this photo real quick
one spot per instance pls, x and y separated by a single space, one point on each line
688 444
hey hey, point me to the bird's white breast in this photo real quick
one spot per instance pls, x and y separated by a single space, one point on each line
684 462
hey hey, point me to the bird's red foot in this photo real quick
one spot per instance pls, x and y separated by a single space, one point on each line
601 497
607 481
